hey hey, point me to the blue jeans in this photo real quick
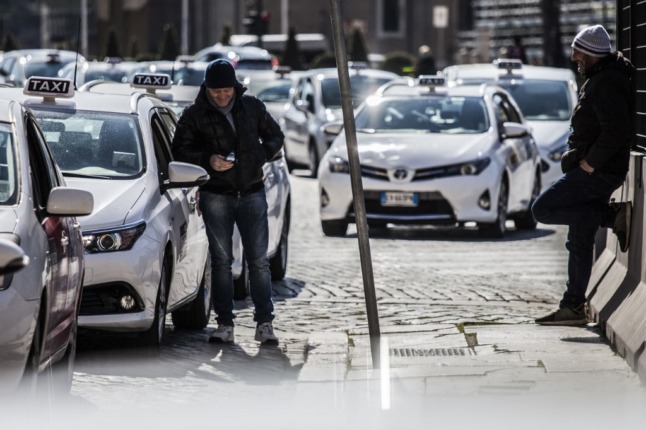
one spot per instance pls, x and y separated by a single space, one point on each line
221 212
580 201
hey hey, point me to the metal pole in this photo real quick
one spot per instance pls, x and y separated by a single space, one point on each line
284 16
84 27
184 43
355 177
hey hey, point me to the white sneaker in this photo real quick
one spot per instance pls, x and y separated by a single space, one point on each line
265 334
224 333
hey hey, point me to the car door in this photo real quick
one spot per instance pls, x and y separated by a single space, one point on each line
61 278
518 154
297 116
183 203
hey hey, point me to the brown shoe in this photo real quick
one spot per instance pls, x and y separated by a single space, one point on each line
565 316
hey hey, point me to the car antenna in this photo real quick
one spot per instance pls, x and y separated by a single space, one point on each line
76 61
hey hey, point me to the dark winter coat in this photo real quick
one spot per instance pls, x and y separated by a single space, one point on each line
602 119
203 131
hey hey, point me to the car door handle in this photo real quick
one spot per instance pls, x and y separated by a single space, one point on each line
65 240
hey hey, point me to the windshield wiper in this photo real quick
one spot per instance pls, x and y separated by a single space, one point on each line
81 175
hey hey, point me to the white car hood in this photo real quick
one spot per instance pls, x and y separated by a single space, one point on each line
113 200
416 150
547 133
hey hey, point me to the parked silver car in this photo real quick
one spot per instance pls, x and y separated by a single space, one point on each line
315 100
39 301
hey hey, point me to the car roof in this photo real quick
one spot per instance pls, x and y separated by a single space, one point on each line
489 71
232 51
115 103
409 87
333 72
175 93
5 111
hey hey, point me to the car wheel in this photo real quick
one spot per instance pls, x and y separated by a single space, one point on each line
334 227
313 164
497 228
29 381
195 315
278 263
63 370
155 334
241 285
525 220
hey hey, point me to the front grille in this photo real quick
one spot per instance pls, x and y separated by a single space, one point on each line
432 209
104 299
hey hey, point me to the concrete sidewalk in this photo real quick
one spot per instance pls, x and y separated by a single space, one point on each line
446 373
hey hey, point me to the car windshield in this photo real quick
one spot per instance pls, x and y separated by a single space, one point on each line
43 68
540 100
93 144
361 86
8 182
442 114
272 91
114 75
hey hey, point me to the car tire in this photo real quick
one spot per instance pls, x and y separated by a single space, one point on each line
241 285
154 336
63 370
278 263
497 228
30 378
313 157
525 220
196 315
334 228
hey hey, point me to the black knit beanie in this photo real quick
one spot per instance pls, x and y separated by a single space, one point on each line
220 74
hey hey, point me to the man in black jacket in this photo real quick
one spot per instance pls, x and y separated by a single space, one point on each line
231 135
595 165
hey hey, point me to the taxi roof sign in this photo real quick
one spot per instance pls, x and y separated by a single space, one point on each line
431 80
151 81
50 88
508 64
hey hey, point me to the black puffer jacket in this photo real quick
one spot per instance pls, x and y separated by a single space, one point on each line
602 119
203 130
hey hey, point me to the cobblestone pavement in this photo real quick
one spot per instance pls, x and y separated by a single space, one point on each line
423 277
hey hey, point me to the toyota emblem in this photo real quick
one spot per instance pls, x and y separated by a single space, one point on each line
400 174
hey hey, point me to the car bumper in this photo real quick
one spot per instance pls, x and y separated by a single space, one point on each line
109 276
442 201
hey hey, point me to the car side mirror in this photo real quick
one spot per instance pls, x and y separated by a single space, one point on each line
302 106
12 257
511 130
185 175
333 128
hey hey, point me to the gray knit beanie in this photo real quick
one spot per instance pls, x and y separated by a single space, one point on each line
593 41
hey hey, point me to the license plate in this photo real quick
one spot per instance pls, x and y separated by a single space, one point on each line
390 198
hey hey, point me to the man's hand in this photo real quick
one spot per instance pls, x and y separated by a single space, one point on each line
219 164
585 166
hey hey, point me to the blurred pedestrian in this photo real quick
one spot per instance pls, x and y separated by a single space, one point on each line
231 135
425 64
517 50
595 165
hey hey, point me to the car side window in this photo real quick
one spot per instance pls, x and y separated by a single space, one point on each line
170 121
307 94
43 170
161 141
505 112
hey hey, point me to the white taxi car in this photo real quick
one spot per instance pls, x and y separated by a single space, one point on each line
39 302
545 95
315 100
145 244
434 155
276 179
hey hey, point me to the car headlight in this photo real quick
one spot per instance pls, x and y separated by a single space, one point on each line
557 153
339 165
474 167
114 239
